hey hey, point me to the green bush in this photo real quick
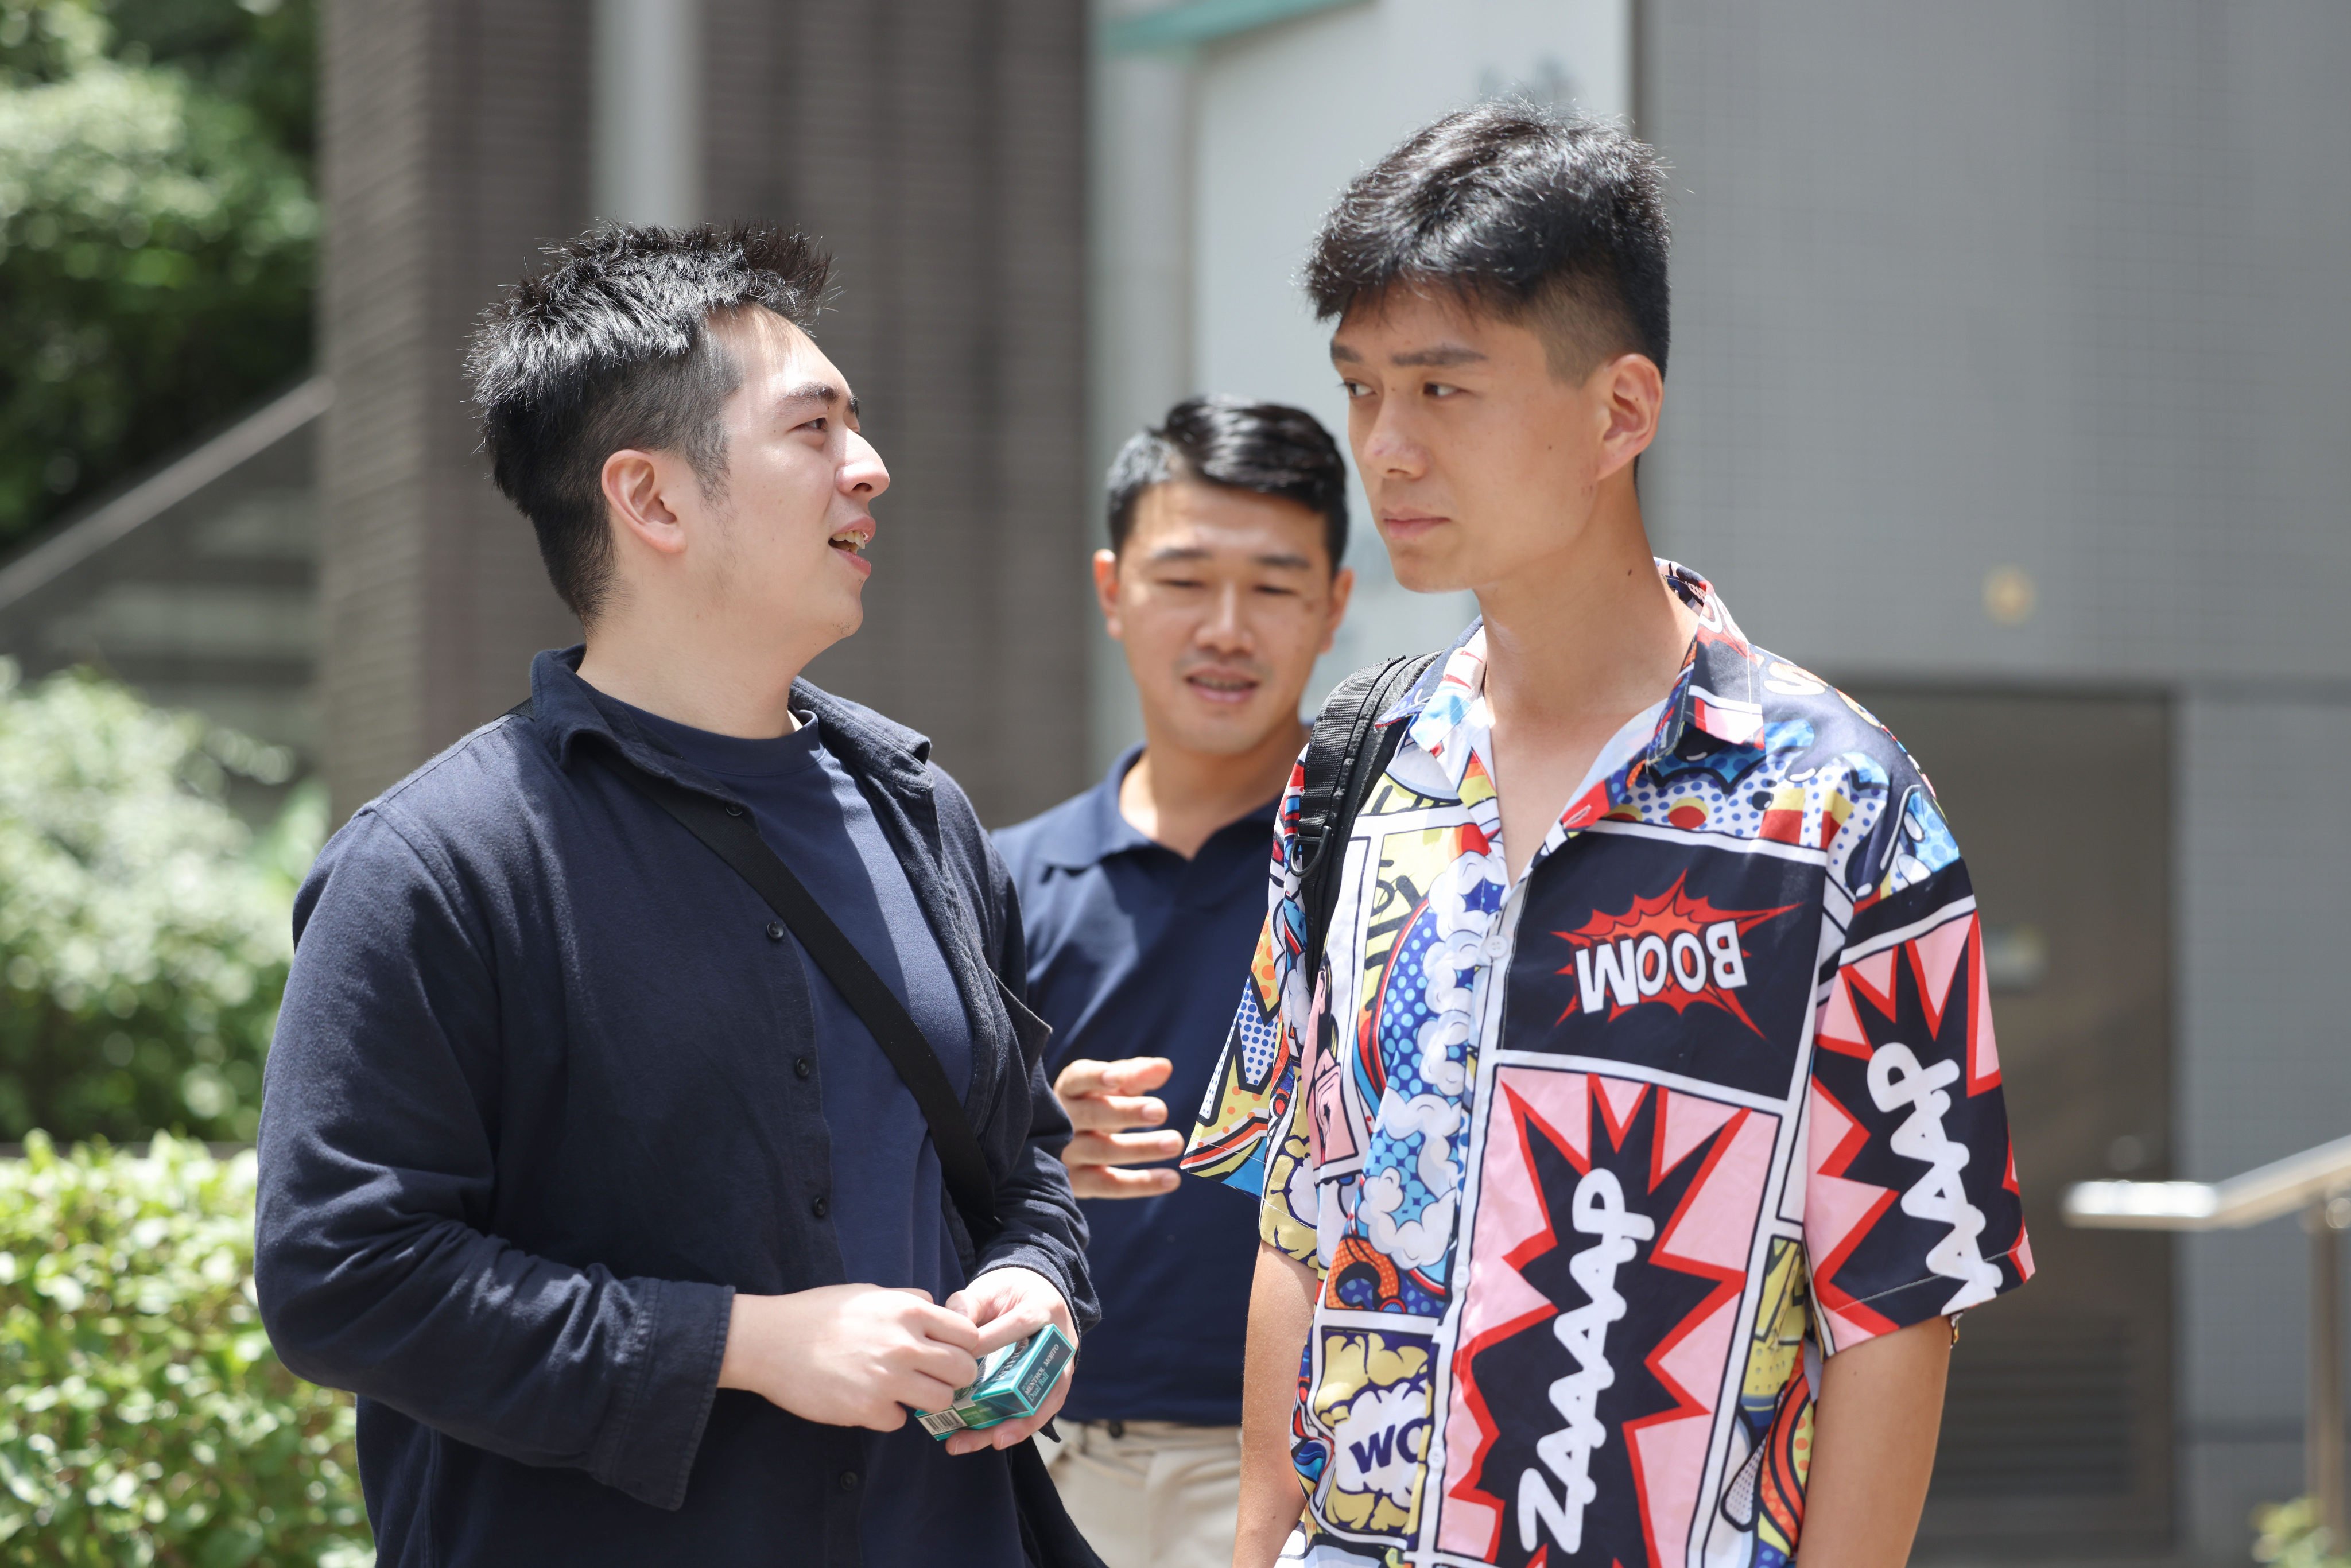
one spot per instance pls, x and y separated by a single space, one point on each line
143 1417
143 930
2291 1537
158 233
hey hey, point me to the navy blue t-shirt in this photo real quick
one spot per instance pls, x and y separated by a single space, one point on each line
922 1504
1135 951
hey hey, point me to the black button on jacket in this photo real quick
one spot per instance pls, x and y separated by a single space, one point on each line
540 1103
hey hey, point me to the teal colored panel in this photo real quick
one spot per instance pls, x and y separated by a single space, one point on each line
1191 22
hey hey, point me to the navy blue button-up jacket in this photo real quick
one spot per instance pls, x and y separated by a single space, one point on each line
541 1101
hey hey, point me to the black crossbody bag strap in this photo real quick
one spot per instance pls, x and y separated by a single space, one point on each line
1047 1531
1344 754
728 834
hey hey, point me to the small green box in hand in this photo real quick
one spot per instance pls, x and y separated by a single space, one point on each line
1013 1382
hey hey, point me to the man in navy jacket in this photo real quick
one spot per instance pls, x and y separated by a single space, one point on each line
574 1166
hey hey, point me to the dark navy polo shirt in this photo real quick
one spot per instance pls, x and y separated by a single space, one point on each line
922 1504
1135 951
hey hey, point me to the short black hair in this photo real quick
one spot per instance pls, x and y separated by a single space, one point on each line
1267 447
609 347
1520 209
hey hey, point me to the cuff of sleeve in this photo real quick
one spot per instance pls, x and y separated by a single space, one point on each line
680 1343
1276 1229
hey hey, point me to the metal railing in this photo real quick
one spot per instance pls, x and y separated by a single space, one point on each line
2317 1182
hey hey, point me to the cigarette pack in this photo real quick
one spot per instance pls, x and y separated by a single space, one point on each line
1013 1381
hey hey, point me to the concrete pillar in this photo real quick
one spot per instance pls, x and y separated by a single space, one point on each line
455 137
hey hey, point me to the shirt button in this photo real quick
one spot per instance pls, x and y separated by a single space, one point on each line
818 1208
849 1480
774 930
802 1067
1497 947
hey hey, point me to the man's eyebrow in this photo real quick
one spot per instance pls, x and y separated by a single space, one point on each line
1285 559
1443 354
824 392
1177 552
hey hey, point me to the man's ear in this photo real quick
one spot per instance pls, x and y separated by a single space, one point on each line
1342 588
1631 393
636 493
1106 592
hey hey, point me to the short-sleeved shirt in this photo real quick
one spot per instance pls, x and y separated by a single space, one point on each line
1597 1163
1135 951
923 1504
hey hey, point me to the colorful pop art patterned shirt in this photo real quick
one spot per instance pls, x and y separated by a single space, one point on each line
1597 1166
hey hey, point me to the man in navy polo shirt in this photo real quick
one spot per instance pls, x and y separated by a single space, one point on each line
1142 898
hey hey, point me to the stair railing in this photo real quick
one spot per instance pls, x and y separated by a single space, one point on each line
2317 1182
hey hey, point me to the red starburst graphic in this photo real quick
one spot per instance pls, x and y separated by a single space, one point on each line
1677 948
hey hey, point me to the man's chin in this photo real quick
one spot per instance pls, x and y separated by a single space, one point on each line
1212 730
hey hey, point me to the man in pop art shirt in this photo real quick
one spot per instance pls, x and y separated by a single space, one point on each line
1620 1189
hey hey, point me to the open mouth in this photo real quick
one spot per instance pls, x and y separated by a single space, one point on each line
1218 686
853 540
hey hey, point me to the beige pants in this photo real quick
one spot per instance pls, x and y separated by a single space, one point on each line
1155 1496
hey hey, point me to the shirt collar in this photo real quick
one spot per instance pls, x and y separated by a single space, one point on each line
565 710
1717 693
1098 829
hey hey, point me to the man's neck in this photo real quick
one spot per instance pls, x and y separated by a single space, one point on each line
733 691
1591 632
1179 798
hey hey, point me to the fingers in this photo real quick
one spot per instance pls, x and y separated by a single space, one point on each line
948 1326
1122 1148
1109 1112
1104 1181
1132 1075
944 1364
1018 1322
1081 1078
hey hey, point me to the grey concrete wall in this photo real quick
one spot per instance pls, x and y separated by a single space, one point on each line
938 148
2059 288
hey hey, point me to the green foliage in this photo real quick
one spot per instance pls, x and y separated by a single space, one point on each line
2291 1537
157 232
143 1417
143 931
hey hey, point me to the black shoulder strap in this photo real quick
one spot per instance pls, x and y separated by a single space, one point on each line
728 834
1343 755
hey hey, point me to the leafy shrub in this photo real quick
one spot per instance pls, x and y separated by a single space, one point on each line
158 233
2291 1537
143 932
143 1417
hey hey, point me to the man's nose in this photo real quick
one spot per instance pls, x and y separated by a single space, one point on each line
1225 629
1389 447
861 475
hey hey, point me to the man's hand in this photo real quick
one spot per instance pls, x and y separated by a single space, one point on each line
850 1356
1005 1305
1102 1100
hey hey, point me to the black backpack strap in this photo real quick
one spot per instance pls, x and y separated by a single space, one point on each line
1344 754
727 831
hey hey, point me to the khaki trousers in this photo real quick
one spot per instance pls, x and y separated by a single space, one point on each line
1154 1495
